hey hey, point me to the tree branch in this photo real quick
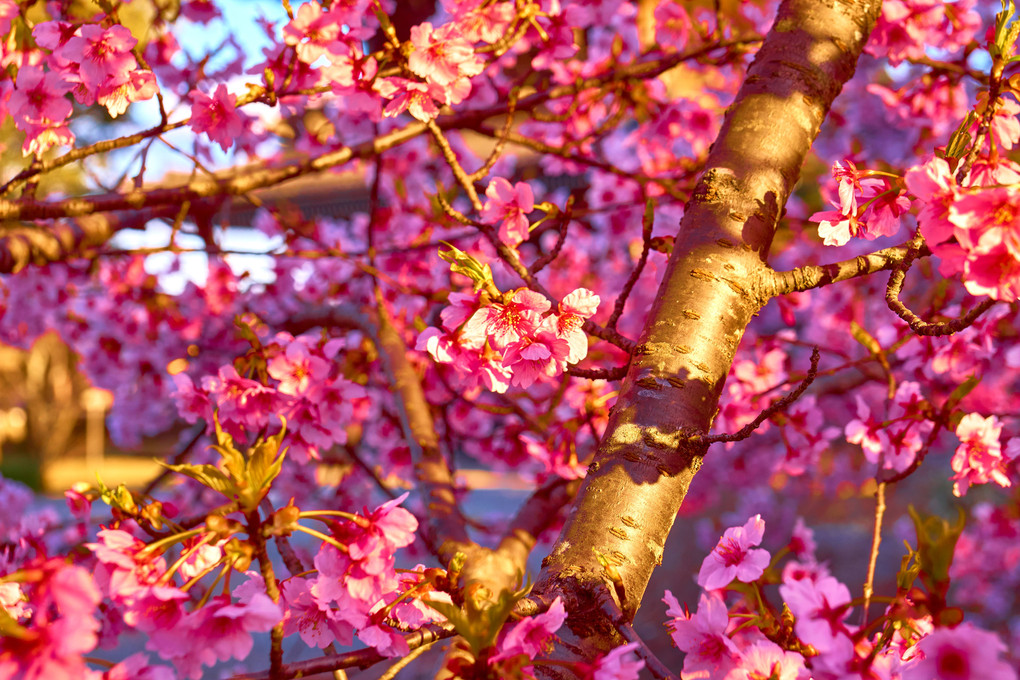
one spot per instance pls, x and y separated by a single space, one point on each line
709 293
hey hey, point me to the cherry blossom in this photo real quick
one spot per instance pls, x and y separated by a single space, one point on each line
962 653
216 116
508 206
703 636
530 636
735 556
979 458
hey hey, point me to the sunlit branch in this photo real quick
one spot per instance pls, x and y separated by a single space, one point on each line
916 323
814 276
772 409
361 658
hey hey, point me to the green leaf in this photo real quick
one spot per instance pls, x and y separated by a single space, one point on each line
961 391
247 332
959 141
936 543
865 338
9 627
262 468
462 263
233 459
206 475
119 497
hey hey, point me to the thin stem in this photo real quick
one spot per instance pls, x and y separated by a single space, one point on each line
876 541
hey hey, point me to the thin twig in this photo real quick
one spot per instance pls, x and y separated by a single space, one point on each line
646 243
773 408
876 541
916 323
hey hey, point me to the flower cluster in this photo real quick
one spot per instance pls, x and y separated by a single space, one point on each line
303 385
92 62
511 342
974 229
445 60
751 640
868 207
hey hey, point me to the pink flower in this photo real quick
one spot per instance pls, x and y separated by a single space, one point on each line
38 98
733 558
867 431
577 306
519 317
104 55
442 56
619 664
710 652
313 32
933 183
246 402
199 11
312 620
227 629
216 116
820 607
766 659
136 86
978 458
962 653
672 25
532 356
297 369
192 404
532 635
62 628
509 207
418 99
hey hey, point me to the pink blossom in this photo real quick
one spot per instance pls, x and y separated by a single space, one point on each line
978 458
577 306
313 32
519 317
136 86
984 219
672 25
906 27
531 636
226 628
246 402
441 55
509 206
820 606
216 116
418 99
199 11
619 664
867 431
192 404
532 356
62 627
312 620
962 653
384 639
297 369
933 183
734 558
104 55
710 652
766 659
38 98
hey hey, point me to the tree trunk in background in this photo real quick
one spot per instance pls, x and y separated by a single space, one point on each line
709 293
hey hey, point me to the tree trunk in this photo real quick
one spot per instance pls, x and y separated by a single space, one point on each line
712 288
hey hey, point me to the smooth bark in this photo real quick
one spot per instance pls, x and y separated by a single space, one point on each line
714 284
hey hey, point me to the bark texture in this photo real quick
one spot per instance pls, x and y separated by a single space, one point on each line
714 284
